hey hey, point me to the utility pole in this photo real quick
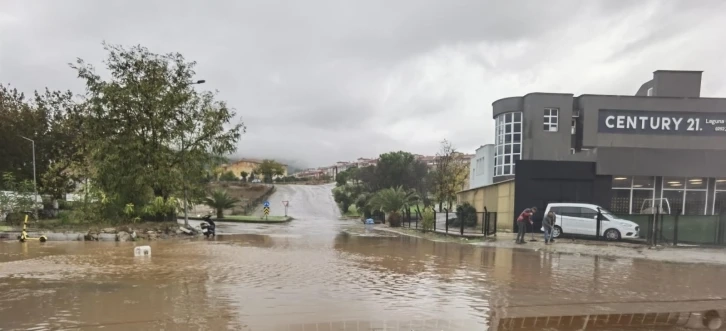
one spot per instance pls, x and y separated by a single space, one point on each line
183 164
35 181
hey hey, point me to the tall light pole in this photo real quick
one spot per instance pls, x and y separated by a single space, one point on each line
183 164
35 182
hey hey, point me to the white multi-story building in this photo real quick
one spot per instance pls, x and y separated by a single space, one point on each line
481 168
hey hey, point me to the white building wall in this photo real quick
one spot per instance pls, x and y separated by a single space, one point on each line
482 167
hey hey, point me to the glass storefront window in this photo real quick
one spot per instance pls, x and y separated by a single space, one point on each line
622 181
508 142
643 182
639 198
620 202
697 183
687 195
629 193
695 203
675 199
719 197
721 184
673 183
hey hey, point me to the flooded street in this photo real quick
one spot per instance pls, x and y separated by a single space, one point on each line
310 274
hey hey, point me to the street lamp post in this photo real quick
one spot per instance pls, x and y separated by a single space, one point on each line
35 182
183 164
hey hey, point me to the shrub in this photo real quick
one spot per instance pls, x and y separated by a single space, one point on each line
65 216
394 219
467 213
427 223
17 218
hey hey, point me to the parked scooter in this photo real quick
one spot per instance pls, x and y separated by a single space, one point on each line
208 226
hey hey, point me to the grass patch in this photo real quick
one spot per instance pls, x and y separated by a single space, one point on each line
254 219
352 211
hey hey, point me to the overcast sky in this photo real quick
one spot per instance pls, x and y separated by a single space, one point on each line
322 81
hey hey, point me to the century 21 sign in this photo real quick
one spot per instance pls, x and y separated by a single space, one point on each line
661 122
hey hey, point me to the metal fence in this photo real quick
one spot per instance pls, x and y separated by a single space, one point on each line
655 229
480 224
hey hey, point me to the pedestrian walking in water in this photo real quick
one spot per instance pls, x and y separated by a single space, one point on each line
548 222
525 216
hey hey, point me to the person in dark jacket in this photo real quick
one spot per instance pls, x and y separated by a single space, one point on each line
548 223
525 216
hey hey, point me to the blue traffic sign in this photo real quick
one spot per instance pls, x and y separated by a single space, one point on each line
266 204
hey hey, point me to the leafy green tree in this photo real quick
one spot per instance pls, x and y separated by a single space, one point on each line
346 195
269 169
450 175
148 131
392 201
228 176
244 175
220 200
18 199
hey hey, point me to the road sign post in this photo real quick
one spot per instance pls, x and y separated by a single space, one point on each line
266 208
286 203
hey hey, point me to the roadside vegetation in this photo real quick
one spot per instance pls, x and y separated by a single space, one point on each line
399 183
128 147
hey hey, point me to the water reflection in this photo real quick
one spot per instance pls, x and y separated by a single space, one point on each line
285 281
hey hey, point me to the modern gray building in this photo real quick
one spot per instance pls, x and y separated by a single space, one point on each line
664 144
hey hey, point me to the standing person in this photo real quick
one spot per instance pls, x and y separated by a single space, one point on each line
525 216
548 222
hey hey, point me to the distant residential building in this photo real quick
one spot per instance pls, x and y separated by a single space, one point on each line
246 165
310 173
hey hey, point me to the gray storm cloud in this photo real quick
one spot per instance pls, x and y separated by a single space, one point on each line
322 81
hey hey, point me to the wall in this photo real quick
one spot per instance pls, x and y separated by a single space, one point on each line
667 83
541 182
539 144
482 167
497 198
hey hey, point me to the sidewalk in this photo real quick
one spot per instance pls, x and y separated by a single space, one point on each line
578 246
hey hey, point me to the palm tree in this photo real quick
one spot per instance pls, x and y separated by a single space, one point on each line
220 201
392 201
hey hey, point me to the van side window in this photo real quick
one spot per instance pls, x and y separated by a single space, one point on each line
587 212
570 211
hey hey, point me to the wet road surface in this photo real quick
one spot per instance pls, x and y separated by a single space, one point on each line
322 273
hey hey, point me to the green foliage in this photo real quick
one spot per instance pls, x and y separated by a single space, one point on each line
160 209
345 196
392 201
220 200
147 131
396 169
19 196
244 175
428 220
65 216
467 213
228 176
269 169
48 118
450 175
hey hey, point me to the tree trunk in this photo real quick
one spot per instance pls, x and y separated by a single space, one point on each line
220 213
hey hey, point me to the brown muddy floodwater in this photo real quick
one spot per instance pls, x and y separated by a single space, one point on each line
311 275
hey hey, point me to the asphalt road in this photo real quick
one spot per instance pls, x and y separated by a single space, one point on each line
304 202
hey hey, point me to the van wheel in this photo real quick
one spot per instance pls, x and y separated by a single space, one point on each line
556 231
612 234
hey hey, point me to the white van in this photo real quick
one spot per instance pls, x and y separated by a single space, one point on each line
580 219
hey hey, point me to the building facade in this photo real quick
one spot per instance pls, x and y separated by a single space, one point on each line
664 146
481 167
